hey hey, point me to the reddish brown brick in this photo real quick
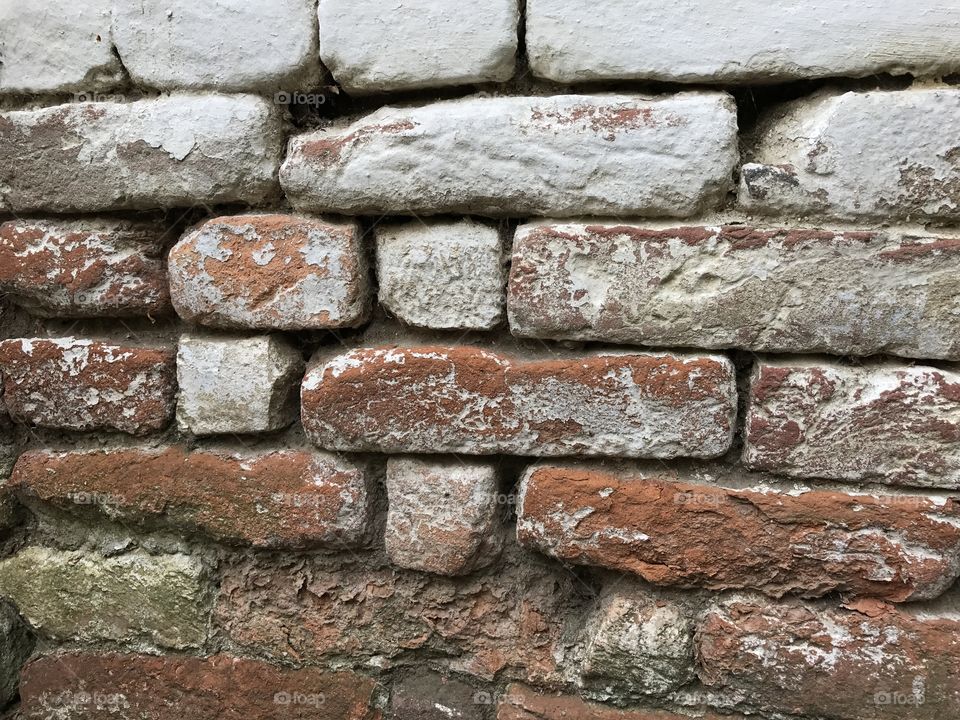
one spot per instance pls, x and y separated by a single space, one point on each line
673 532
113 686
285 498
871 662
76 384
84 268
469 400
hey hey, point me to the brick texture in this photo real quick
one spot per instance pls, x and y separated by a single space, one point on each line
462 399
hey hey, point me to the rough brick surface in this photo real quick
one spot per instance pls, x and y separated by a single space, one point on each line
77 384
57 46
877 155
286 498
430 696
114 686
283 272
443 275
562 155
133 598
871 663
464 399
228 45
674 532
737 286
180 150
752 40
16 644
236 384
84 268
444 515
882 423
508 621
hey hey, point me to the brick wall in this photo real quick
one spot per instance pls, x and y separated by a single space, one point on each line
479 360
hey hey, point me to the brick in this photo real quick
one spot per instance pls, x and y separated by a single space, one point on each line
284 498
211 45
116 686
172 151
469 400
870 663
425 695
444 515
84 268
56 46
525 703
442 275
901 424
783 290
752 41
508 621
236 384
370 47
636 645
883 155
16 644
670 531
671 155
76 384
135 598
271 272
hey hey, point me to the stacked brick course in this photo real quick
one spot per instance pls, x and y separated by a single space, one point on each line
487 360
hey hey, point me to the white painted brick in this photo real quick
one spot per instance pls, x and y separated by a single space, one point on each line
55 46
442 275
228 45
882 155
373 46
748 40
236 385
563 155
180 150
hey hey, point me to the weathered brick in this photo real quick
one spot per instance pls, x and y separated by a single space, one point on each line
370 47
468 400
508 621
53 46
16 644
115 686
882 423
84 268
77 384
237 384
636 645
212 45
283 272
674 532
285 498
134 598
872 662
444 515
883 155
424 695
736 286
179 150
752 40
671 155
443 275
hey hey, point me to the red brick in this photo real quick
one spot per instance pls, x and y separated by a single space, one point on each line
284 272
469 400
113 686
673 532
85 268
884 423
75 384
871 662
285 498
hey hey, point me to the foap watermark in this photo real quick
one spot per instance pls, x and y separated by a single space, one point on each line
312 99
97 97
898 698
93 498
297 500
85 699
313 700
698 498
